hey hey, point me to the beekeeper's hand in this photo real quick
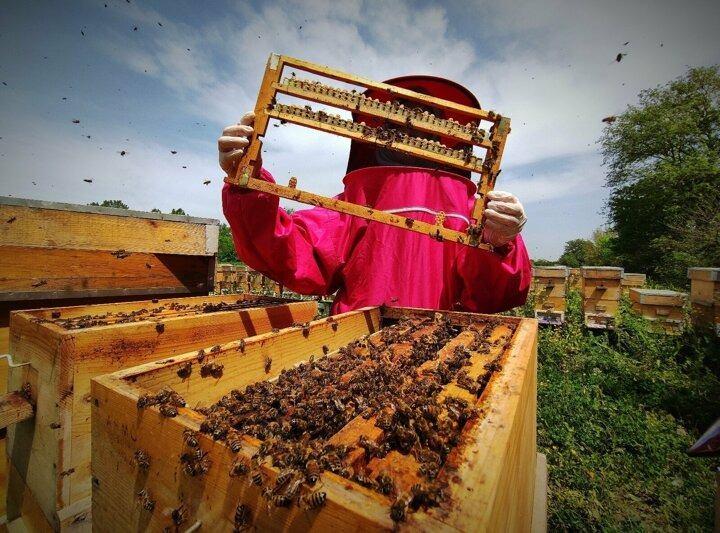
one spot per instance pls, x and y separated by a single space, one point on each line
233 141
504 218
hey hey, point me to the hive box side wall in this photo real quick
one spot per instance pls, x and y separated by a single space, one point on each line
495 481
33 445
33 273
59 473
63 228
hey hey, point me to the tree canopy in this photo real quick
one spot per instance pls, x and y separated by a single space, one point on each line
663 161
118 204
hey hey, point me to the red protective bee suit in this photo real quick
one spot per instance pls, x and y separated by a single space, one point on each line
318 251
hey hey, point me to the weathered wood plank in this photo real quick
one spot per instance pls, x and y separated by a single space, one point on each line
41 227
14 408
27 271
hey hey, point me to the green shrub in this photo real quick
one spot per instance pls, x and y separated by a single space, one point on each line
616 412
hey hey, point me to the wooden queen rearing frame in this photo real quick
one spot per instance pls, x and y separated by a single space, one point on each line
392 112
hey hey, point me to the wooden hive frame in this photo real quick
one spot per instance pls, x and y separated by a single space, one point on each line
267 107
491 471
50 451
601 295
550 286
663 308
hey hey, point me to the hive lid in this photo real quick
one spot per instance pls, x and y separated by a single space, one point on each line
555 271
601 272
658 296
704 273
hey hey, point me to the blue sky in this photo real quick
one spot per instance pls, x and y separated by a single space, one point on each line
548 65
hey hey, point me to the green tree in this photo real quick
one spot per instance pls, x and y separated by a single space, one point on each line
118 204
226 247
178 211
155 210
577 252
663 160
542 262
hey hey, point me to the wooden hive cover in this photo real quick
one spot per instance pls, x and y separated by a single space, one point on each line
550 272
704 274
489 472
632 278
658 297
601 272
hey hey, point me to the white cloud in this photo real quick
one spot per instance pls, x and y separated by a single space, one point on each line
548 65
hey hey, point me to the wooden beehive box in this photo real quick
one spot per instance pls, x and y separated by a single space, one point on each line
601 295
66 347
663 307
489 471
631 279
705 296
549 284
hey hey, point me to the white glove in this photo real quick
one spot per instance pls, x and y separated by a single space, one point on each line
504 218
232 142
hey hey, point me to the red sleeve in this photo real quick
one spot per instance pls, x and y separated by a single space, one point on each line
300 251
493 282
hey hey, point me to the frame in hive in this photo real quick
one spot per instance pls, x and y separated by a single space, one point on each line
487 475
394 113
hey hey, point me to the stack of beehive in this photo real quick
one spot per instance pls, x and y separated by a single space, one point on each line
662 307
549 286
705 296
601 295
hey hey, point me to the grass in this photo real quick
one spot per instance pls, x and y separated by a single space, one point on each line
616 412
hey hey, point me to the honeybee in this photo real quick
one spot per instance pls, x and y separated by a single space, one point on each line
179 515
313 500
142 459
268 363
233 442
242 517
312 471
239 468
185 370
397 510
145 501
168 410
385 483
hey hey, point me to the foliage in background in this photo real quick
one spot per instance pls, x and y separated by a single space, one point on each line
663 159
118 204
178 211
596 251
226 247
616 412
